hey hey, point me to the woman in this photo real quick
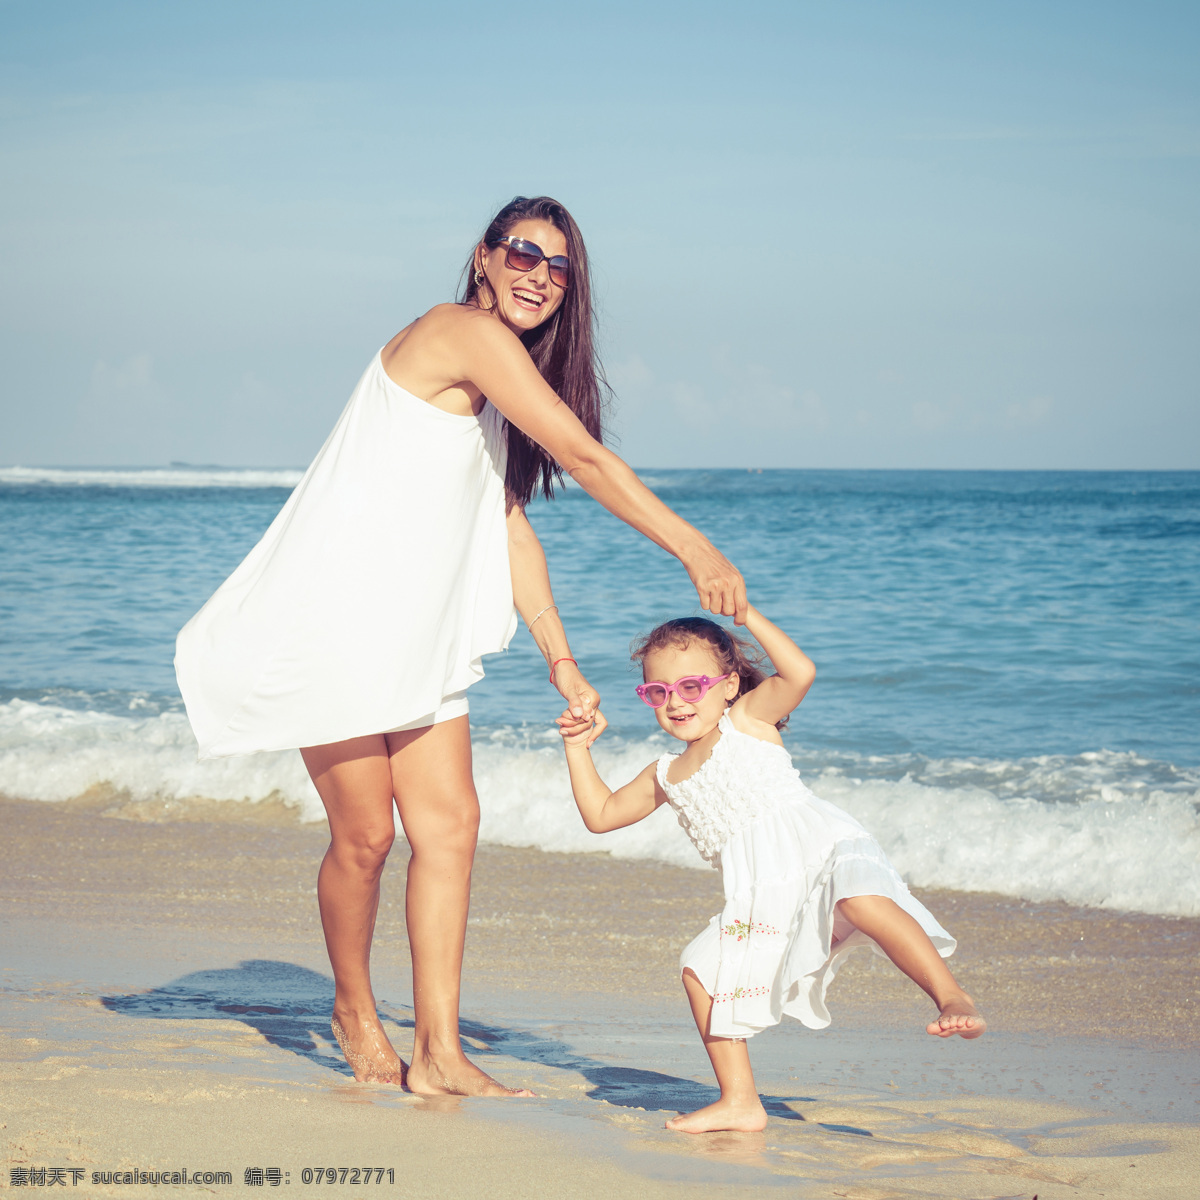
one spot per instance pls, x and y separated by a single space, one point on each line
354 628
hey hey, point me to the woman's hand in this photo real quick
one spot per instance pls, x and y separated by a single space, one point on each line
582 699
578 731
719 584
583 721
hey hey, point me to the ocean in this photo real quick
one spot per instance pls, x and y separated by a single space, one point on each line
1008 689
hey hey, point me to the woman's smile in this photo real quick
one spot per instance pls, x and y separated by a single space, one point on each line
529 299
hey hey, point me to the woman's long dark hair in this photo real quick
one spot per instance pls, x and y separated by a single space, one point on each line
562 348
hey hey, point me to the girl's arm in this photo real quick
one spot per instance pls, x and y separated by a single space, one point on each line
778 694
603 810
532 595
494 360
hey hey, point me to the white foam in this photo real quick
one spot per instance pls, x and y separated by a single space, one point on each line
1137 850
1107 829
152 477
52 753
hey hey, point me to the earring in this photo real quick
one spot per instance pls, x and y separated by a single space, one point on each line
478 277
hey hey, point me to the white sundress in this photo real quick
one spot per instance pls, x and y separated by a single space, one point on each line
786 857
369 602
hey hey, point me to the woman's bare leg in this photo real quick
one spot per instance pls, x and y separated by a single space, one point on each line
902 939
354 782
431 780
739 1107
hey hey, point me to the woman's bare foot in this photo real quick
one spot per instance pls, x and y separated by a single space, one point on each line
958 1016
742 1116
455 1075
368 1052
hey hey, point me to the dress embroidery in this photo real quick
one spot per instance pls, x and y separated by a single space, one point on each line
743 929
740 993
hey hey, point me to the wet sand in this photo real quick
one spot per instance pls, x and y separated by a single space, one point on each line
165 1002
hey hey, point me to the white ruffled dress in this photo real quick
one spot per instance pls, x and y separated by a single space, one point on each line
786 857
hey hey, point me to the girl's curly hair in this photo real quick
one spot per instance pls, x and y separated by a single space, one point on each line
734 654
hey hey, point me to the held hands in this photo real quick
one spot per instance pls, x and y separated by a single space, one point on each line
580 731
719 584
582 718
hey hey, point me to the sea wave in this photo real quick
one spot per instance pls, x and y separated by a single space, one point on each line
152 477
1105 829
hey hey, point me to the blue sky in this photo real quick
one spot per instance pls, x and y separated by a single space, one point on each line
824 235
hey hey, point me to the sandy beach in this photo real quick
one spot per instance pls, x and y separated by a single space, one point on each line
165 1006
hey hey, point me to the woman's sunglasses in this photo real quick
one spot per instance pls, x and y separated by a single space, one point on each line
689 689
521 255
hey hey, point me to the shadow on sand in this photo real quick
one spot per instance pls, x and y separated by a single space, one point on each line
290 1006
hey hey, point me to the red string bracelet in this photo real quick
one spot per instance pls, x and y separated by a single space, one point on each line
555 664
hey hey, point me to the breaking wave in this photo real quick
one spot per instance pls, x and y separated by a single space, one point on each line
1106 829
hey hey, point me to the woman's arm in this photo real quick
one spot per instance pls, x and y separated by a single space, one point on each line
532 595
778 694
496 362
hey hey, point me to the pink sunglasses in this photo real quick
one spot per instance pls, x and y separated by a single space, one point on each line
689 689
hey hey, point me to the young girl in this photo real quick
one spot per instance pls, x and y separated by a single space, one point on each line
804 882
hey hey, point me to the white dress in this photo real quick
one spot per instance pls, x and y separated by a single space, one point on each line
372 597
786 857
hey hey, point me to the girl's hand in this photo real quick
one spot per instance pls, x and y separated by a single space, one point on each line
719 584
581 732
582 699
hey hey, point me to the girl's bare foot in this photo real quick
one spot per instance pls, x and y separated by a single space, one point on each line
455 1075
742 1116
368 1052
958 1016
